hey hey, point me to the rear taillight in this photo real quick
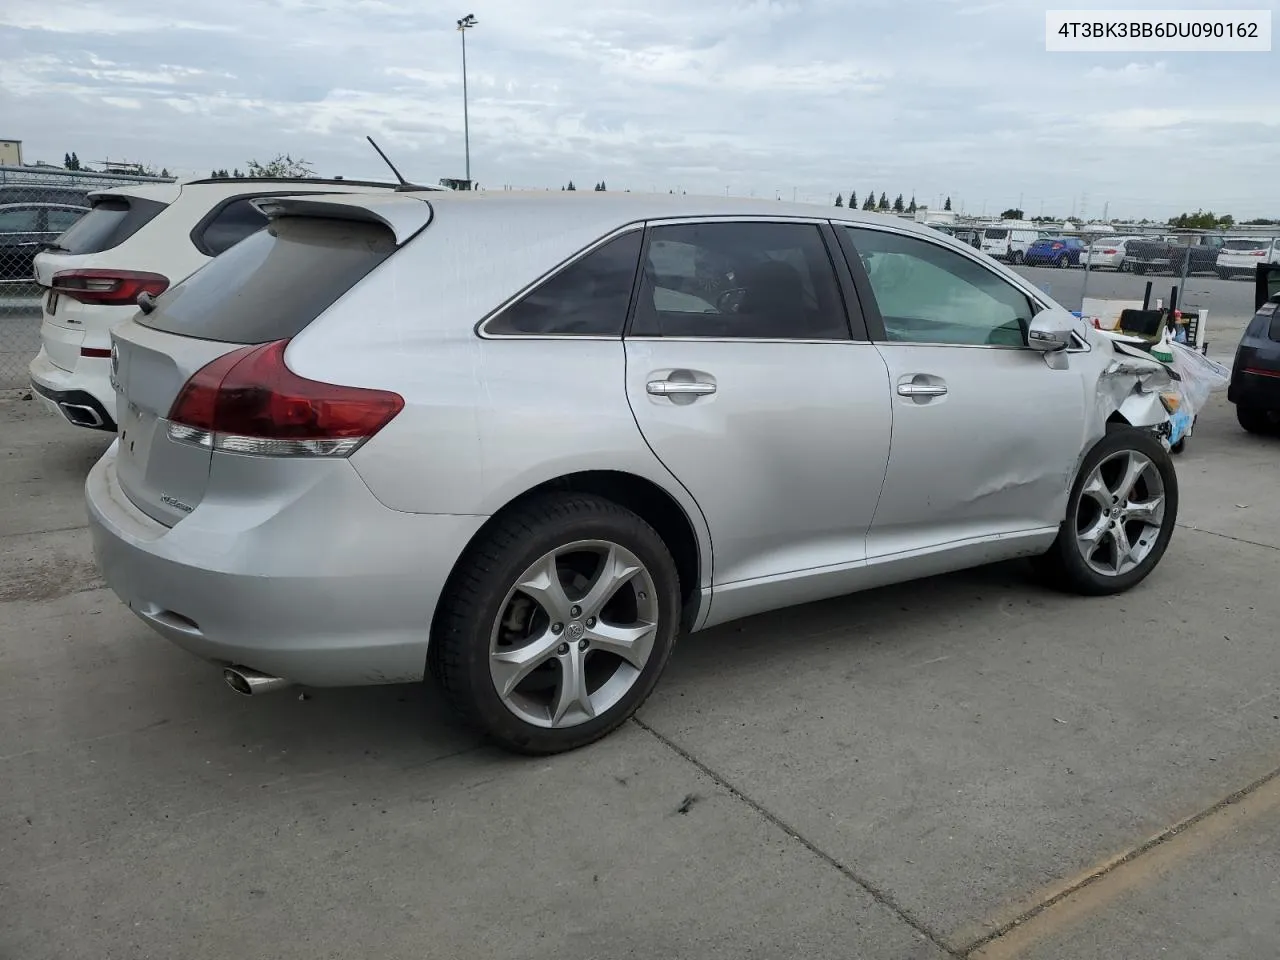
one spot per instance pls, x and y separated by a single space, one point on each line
108 287
1110 253
248 401
1257 253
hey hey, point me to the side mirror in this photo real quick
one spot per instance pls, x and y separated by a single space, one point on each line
1050 330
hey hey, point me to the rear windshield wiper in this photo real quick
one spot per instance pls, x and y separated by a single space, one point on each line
54 246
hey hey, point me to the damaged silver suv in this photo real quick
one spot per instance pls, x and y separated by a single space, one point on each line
355 450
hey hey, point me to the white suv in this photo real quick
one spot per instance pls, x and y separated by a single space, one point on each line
137 240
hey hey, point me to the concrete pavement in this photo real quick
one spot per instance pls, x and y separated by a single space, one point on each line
963 766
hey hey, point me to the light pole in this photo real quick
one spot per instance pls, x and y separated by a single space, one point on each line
465 24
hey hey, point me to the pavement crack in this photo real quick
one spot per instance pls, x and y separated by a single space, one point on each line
1159 840
879 895
1227 536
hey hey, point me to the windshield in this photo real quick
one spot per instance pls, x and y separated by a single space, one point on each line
1251 244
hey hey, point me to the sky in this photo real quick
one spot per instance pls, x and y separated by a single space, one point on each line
803 99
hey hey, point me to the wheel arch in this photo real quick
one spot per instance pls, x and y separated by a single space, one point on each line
689 545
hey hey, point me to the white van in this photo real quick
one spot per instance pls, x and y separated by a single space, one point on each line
1008 243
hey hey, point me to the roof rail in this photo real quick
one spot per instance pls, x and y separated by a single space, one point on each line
334 181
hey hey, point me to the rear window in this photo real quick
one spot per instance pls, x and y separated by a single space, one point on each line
1246 244
997 234
274 282
110 222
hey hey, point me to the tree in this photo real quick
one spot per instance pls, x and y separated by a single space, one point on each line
66 160
884 202
870 202
1013 213
911 207
164 172
898 205
571 186
947 205
236 174
283 167
853 200
1202 220
71 161
839 200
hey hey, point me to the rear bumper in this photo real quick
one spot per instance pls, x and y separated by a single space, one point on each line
1254 390
328 589
82 396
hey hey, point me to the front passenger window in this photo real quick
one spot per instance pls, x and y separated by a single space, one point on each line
929 294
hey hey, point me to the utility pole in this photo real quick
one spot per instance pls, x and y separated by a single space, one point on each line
465 24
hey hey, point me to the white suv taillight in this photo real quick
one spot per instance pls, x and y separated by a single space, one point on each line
108 287
247 401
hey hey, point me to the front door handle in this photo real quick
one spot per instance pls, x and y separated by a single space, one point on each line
679 388
910 389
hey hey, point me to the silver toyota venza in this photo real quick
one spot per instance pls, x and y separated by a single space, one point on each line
522 442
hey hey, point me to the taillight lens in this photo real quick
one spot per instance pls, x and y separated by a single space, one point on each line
108 287
248 401
1110 253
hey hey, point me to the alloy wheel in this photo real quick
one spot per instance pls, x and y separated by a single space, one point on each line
1120 513
573 634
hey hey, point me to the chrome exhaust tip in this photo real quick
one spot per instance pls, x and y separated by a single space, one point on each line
81 415
248 682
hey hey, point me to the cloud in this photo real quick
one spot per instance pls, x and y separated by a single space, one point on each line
815 97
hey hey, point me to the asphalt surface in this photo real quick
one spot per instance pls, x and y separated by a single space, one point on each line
968 766
1228 301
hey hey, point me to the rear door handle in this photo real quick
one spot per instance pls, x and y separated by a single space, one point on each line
910 389
679 388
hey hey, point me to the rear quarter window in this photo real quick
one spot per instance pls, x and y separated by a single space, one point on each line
228 226
273 283
110 222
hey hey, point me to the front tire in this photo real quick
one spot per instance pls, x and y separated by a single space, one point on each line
1015 258
1064 262
557 623
1120 517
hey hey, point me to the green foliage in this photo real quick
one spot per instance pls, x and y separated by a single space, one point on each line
282 167
1202 220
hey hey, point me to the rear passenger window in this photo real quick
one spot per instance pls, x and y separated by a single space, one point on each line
587 298
237 220
763 281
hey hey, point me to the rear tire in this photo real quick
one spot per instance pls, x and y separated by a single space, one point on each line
1140 269
1063 262
1016 257
540 665
1258 420
1140 518
1223 273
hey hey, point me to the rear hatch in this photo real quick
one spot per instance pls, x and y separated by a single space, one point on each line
203 374
91 292
1244 254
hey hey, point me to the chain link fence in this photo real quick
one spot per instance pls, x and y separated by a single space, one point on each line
37 204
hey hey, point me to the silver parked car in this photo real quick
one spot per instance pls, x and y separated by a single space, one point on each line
522 442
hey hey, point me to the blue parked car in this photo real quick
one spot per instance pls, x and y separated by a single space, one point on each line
1055 252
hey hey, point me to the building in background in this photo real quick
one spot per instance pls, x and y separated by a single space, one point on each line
10 153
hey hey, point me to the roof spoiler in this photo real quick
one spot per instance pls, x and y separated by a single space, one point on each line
403 215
